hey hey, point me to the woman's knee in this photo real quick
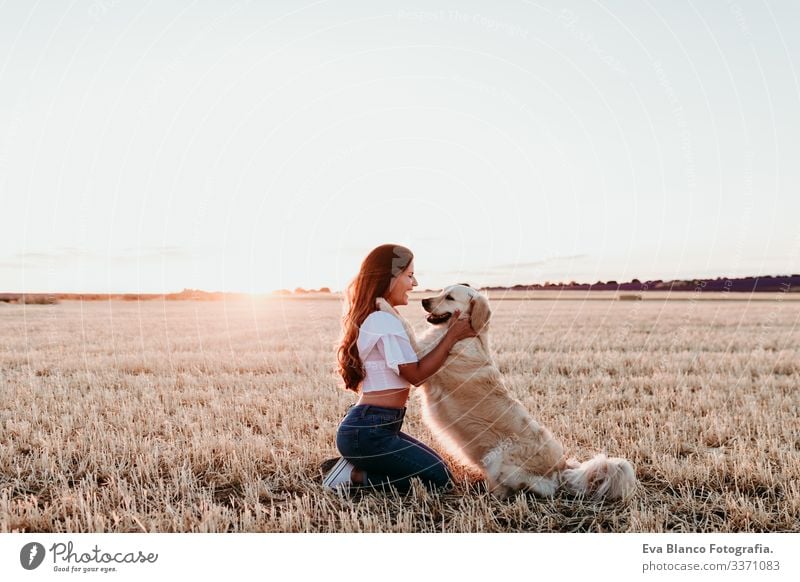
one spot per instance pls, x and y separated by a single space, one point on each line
437 471
434 473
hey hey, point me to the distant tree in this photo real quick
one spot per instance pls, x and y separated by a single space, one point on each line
324 290
611 283
300 291
38 299
636 282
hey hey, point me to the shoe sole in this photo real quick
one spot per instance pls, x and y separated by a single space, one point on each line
327 465
333 477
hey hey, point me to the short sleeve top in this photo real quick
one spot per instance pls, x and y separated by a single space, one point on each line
383 345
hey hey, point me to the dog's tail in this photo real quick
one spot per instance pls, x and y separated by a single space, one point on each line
600 477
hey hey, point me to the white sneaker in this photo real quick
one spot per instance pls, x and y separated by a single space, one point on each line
338 478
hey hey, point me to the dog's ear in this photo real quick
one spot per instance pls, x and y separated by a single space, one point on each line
479 313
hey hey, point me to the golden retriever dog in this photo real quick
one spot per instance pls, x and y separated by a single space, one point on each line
472 413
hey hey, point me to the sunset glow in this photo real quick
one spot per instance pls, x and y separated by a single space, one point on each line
265 146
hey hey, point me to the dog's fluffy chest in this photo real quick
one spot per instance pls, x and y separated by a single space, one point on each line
469 369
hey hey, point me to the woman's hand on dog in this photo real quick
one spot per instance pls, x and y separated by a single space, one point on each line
461 328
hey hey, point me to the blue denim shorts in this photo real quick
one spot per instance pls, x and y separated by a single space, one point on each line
370 438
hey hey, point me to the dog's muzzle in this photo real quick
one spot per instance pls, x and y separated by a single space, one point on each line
437 319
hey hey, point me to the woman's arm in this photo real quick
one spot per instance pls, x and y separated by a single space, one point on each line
418 372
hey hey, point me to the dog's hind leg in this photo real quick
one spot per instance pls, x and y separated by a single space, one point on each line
492 465
543 486
515 479
499 490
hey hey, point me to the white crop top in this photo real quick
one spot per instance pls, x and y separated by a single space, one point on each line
382 346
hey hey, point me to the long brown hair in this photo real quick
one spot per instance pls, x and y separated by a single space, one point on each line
372 281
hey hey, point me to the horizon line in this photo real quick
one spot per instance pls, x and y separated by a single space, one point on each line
336 291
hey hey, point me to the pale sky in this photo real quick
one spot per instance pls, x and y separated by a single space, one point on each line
251 146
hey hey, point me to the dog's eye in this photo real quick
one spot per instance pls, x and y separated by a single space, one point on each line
449 298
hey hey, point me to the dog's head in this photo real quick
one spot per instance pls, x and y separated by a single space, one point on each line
462 297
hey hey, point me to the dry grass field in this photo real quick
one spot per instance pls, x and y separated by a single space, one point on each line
213 417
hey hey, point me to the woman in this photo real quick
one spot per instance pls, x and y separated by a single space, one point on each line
376 356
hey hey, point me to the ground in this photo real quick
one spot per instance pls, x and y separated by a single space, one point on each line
187 416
